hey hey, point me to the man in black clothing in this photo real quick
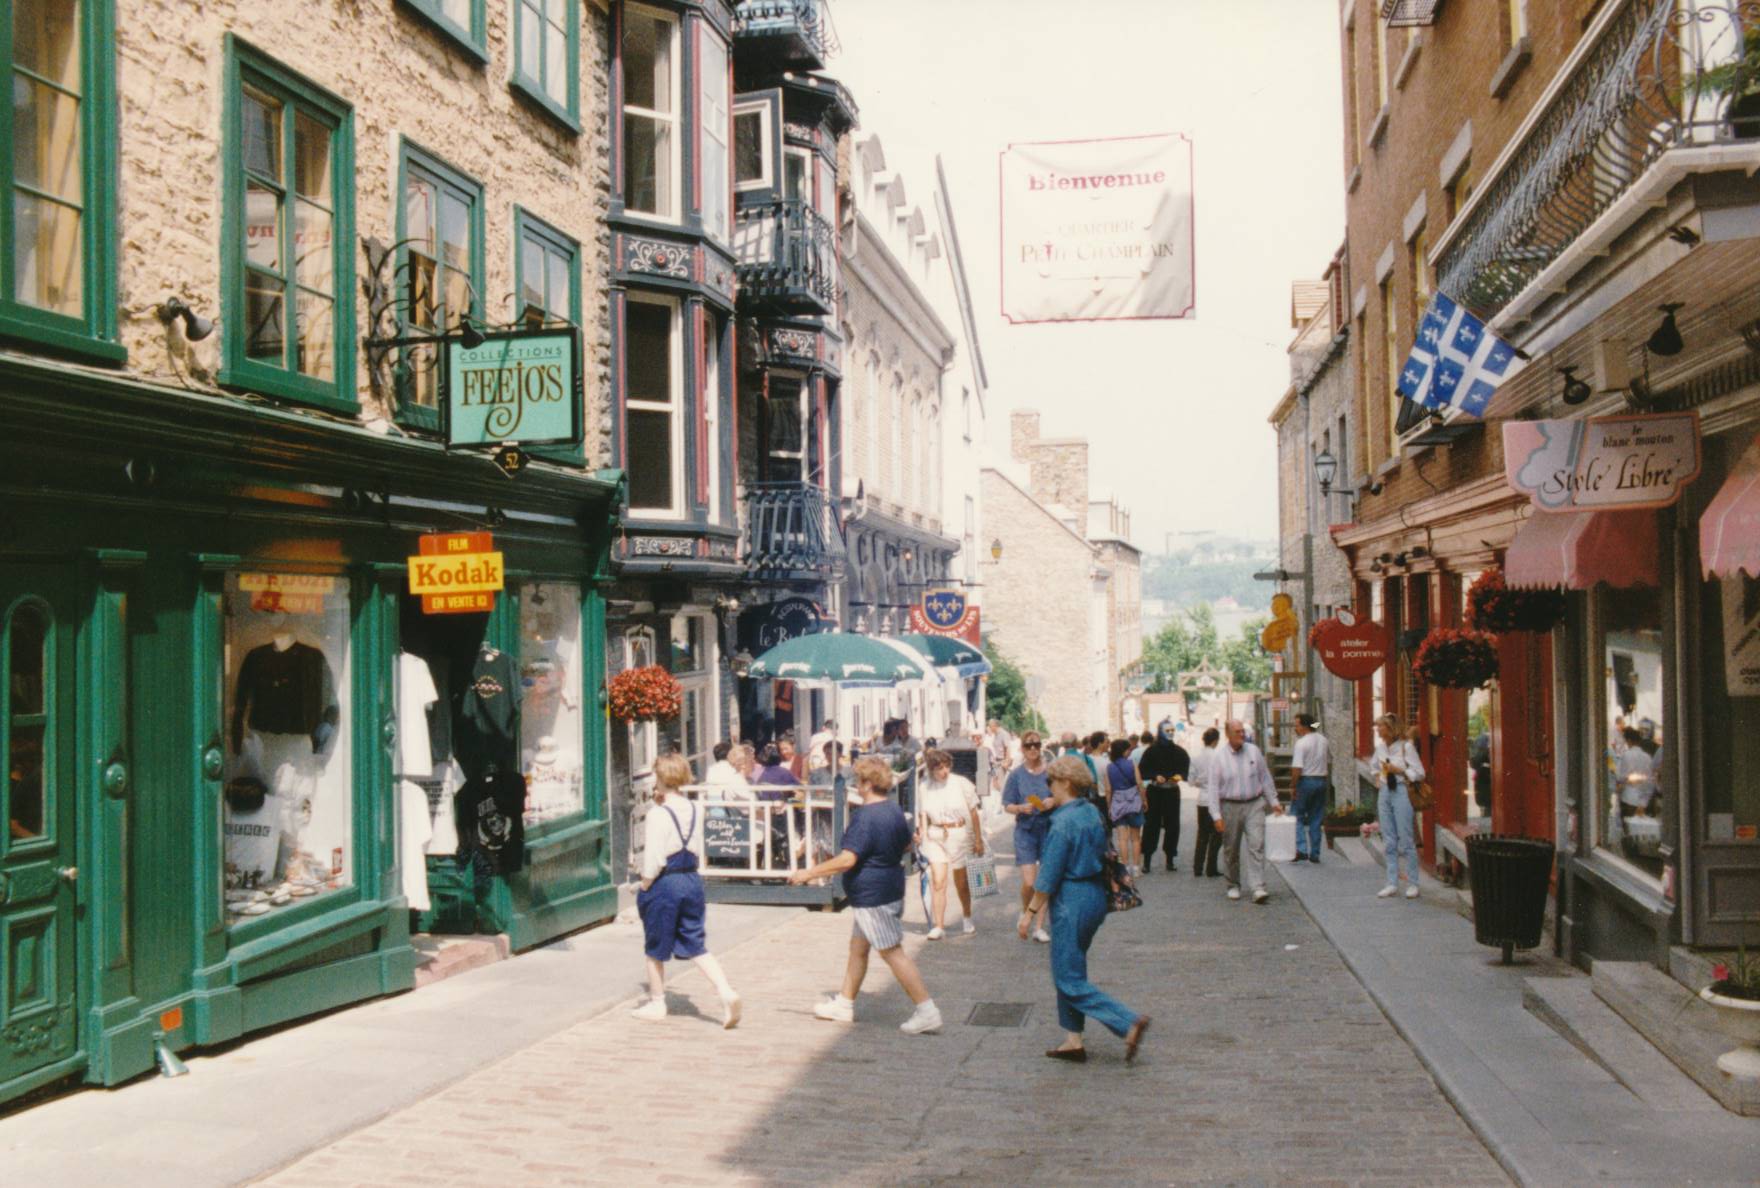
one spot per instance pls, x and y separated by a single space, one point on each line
1165 767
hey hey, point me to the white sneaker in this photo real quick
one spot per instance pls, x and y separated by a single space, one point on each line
1261 895
1387 892
924 1020
1234 892
967 927
652 1010
730 1012
1040 935
836 1009
1411 890
937 933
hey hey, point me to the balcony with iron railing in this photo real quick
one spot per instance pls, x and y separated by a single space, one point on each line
1656 90
787 256
792 532
783 34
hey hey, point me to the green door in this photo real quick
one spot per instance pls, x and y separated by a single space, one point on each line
37 846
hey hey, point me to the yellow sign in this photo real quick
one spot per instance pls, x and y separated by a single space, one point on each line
461 574
1283 625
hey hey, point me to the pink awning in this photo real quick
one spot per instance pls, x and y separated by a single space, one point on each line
1729 531
1578 549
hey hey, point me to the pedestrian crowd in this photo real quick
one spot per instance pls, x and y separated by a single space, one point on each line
1089 815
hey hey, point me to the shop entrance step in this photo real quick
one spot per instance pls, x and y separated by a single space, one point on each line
1569 1006
1679 1024
442 957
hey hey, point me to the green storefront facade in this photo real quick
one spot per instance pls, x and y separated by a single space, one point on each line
207 635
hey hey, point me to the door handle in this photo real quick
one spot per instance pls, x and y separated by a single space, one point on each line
67 874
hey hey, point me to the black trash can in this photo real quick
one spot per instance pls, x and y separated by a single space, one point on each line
1510 876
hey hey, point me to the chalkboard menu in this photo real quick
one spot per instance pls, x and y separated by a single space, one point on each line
727 833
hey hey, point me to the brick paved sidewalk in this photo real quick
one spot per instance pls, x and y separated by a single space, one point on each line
1266 1064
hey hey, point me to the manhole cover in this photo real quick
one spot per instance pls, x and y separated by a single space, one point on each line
999 1014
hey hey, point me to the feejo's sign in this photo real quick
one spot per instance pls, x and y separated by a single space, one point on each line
456 573
1602 462
515 386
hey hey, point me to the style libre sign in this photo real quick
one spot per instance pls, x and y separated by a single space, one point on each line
946 612
518 385
456 573
1603 462
1351 648
1096 230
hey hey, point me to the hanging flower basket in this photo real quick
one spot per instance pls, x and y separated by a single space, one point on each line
1451 658
1493 606
647 694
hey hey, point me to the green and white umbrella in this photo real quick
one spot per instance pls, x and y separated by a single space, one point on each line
837 659
944 651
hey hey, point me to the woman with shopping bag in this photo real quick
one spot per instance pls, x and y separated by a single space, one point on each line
949 830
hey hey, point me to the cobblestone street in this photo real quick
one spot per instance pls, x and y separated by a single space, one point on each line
1267 1063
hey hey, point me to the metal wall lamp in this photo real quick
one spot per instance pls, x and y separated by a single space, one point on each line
195 326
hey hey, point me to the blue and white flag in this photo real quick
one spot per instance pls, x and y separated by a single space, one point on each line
1455 362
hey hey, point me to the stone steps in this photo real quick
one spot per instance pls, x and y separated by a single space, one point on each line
1679 1024
1569 1006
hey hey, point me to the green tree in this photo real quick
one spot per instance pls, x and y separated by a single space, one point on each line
1006 695
1191 637
1246 659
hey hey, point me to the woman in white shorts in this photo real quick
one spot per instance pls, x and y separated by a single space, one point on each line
948 831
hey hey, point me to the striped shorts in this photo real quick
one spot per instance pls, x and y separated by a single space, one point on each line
882 926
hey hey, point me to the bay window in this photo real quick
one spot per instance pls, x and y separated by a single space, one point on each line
752 133
715 89
650 113
652 421
1630 730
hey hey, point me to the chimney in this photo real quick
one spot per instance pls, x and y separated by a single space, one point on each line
1023 431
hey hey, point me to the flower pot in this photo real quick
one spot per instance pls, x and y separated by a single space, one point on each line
1341 828
1739 1019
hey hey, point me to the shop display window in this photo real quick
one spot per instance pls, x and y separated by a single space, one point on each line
1729 612
1632 737
288 806
552 721
1480 778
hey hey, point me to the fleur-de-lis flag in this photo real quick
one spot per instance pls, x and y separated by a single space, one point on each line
1455 362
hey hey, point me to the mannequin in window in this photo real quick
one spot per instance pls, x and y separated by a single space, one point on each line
285 687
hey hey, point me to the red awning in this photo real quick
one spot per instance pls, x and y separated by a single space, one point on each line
1729 531
1581 548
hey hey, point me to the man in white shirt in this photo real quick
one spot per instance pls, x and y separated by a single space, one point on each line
1209 846
1241 792
1310 769
724 772
816 760
997 741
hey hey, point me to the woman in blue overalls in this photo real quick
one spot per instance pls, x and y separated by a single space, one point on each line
671 902
1072 879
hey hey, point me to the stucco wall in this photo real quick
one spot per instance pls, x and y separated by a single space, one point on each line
403 79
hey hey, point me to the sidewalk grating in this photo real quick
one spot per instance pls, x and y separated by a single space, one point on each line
999 1014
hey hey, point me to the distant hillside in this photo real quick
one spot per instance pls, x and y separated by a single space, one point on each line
1207 568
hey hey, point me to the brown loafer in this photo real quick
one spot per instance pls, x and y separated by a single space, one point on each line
1134 1036
1073 1055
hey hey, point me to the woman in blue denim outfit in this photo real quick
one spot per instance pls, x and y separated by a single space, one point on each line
1025 785
1397 768
1072 880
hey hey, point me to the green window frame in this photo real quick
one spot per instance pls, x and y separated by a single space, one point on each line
288 149
433 290
536 244
65 177
462 22
546 40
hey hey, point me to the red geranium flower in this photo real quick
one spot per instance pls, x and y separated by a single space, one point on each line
649 694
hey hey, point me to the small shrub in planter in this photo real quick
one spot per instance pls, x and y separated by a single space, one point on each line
1738 979
1346 821
1455 658
1493 606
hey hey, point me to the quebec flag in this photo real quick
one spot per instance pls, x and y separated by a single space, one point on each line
1455 362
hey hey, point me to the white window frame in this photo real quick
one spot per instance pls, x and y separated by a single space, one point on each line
871 411
766 137
793 153
672 119
702 681
644 739
675 407
711 405
804 397
724 233
895 464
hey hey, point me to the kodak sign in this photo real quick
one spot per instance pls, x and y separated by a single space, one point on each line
456 573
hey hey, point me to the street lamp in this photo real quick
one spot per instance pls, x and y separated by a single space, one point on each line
1325 469
996 549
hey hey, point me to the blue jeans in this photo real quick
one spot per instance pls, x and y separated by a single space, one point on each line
1398 834
1077 911
1310 806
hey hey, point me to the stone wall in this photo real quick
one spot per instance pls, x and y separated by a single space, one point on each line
403 80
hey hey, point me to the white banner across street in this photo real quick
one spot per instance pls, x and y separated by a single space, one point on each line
1096 230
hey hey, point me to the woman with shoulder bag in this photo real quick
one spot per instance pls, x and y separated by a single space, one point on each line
1398 769
671 901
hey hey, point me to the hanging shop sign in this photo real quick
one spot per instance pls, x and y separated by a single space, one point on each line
1283 626
514 386
287 593
1637 461
1351 647
763 627
456 573
946 612
1097 230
